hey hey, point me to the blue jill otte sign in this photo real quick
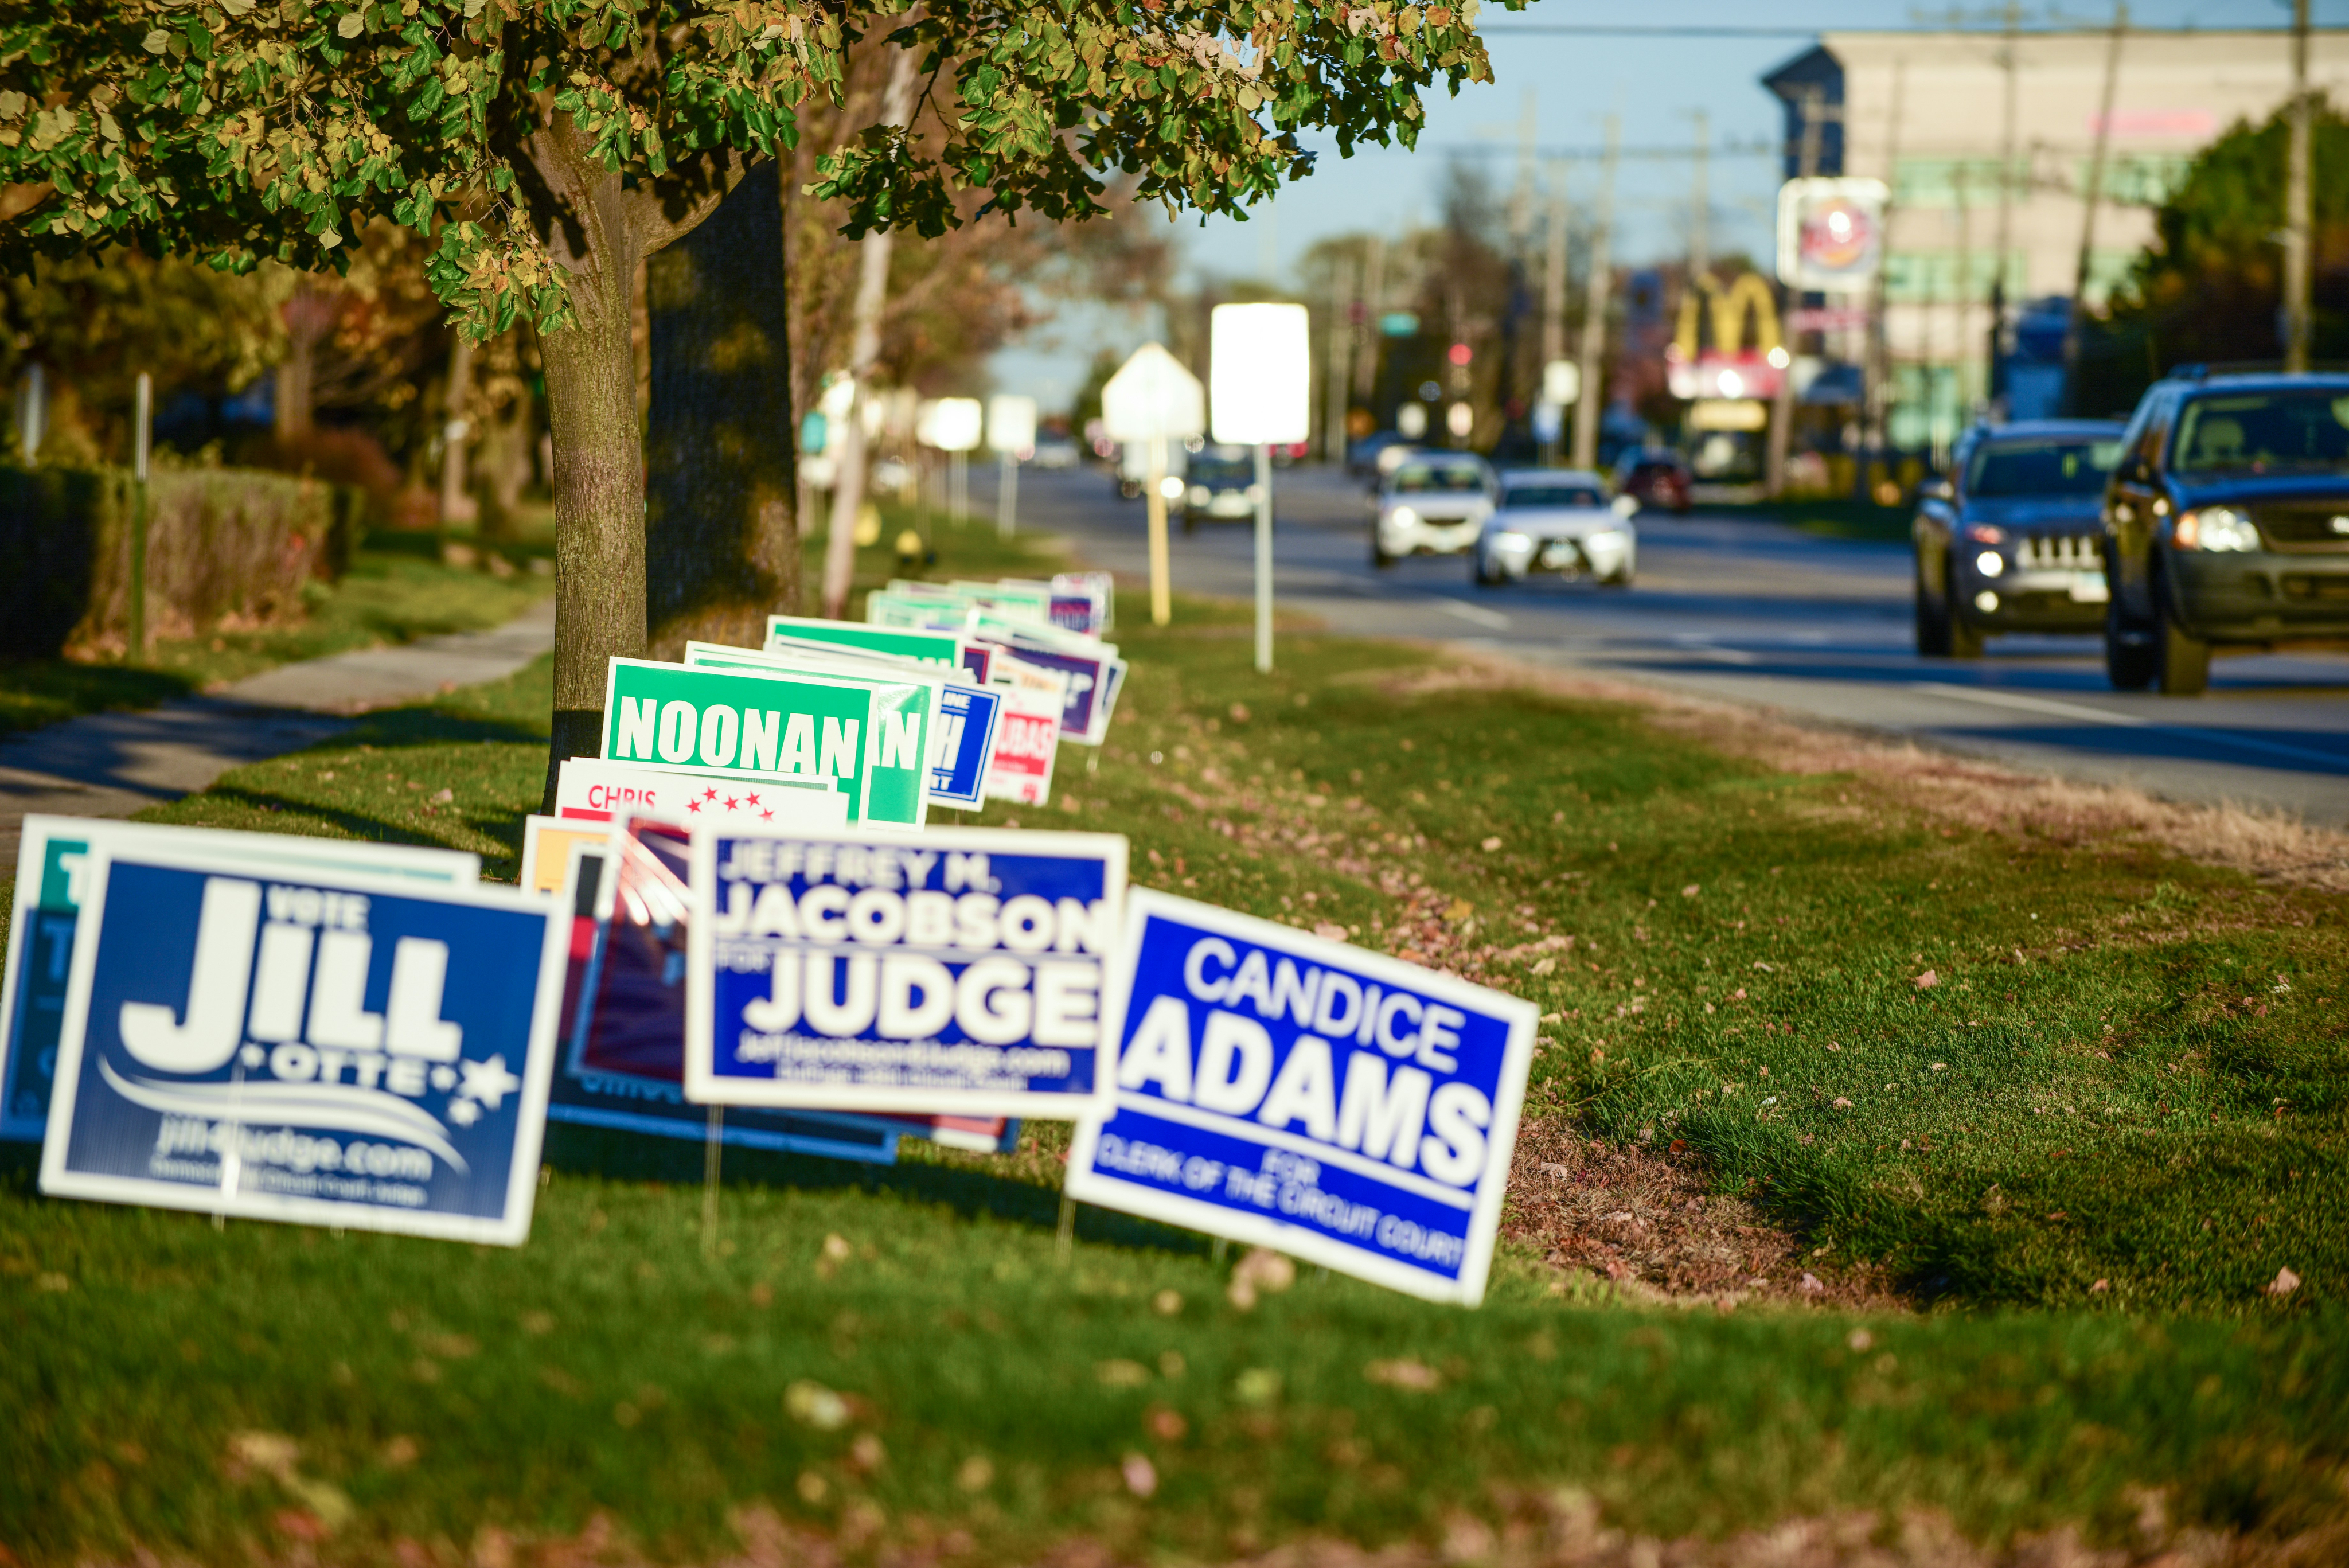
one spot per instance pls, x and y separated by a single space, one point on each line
1276 1089
332 1047
958 973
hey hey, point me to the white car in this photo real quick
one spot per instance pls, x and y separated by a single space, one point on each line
1433 502
1557 520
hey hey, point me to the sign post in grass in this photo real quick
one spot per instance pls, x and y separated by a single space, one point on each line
142 433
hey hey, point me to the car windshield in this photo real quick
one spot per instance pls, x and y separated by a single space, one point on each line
1551 496
2053 466
1423 478
1207 469
2264 432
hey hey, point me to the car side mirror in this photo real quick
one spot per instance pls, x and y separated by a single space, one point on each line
1939 490
1625 505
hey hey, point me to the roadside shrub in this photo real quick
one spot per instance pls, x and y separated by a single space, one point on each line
226 548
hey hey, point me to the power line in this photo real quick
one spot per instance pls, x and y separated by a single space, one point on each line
1707 31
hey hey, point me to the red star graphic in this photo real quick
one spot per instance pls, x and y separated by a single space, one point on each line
766 816
751 799
732 804
710 795
693 805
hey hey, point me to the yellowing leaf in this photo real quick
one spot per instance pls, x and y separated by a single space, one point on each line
154 43
350 25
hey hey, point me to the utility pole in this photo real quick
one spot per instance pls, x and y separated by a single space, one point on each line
1521 198
2296 203
1699 250
2076 323
1587 402
1554 294
1782 405
1374 283
1878 390
1965 295
1342 313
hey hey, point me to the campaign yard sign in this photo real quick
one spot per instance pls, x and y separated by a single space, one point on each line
960 973
52 872
593 791
1024 749
243 1037
748 721
959 719
904 714
622 1063
1339 1105
944 648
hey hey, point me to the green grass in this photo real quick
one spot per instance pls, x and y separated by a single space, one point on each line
2104 1093
1835 519
389 595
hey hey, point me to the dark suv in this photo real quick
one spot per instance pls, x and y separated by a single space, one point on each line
2227 525
2011 541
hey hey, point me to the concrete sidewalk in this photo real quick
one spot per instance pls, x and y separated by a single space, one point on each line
111 765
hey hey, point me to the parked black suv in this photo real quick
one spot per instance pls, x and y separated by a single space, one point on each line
2011 541
2227 524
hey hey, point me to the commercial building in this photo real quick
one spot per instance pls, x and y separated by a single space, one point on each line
1987 141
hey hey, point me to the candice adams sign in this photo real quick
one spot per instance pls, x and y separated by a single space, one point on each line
311 1045
959 972
1340 1106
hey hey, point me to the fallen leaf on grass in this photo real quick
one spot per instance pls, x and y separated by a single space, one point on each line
1841 1104
1167 1304
1122 1374
1927 981
1811 1285
1330 930
1491 843
1691 891
1140 1475
2285 1283
1402 1372
1264 1272
816 1406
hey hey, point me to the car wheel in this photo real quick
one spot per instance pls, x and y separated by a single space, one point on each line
2130 661
1965 642
1619 579
1480 573
1379 557
1932 625
2184 660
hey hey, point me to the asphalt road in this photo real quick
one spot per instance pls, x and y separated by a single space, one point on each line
1759 613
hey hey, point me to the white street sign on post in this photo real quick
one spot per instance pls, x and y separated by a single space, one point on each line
1154 399
1262 369
1011 435
954 429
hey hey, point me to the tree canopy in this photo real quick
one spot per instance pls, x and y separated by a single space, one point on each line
239 131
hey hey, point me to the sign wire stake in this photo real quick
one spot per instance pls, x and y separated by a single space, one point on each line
1221 1248
1064 1242
713 1144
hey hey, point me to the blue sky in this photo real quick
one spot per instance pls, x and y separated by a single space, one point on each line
1654 84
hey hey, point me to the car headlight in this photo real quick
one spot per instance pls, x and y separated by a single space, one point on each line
1171 487
2214 528
1403 517
1986 534
1603 539
1510 539
1990 563
1201 495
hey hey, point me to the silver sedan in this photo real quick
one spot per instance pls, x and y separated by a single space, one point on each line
1557 520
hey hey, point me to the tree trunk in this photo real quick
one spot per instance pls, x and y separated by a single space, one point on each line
309 315
872 297
456 435
599 229
599 507
721 539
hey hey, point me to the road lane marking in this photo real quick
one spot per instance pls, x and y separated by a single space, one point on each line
1476 613
2333 760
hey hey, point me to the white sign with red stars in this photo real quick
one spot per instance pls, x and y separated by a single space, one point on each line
603 792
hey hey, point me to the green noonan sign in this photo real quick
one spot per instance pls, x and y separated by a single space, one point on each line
751 722
939 647
904 712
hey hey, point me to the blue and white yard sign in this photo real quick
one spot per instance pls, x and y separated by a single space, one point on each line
958 972
1339 1105
52 862
311 1045
968 718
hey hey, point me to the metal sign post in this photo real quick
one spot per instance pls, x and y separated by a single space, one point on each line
142 430
1262 370
1154 399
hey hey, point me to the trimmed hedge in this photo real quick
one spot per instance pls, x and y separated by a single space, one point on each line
225 547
